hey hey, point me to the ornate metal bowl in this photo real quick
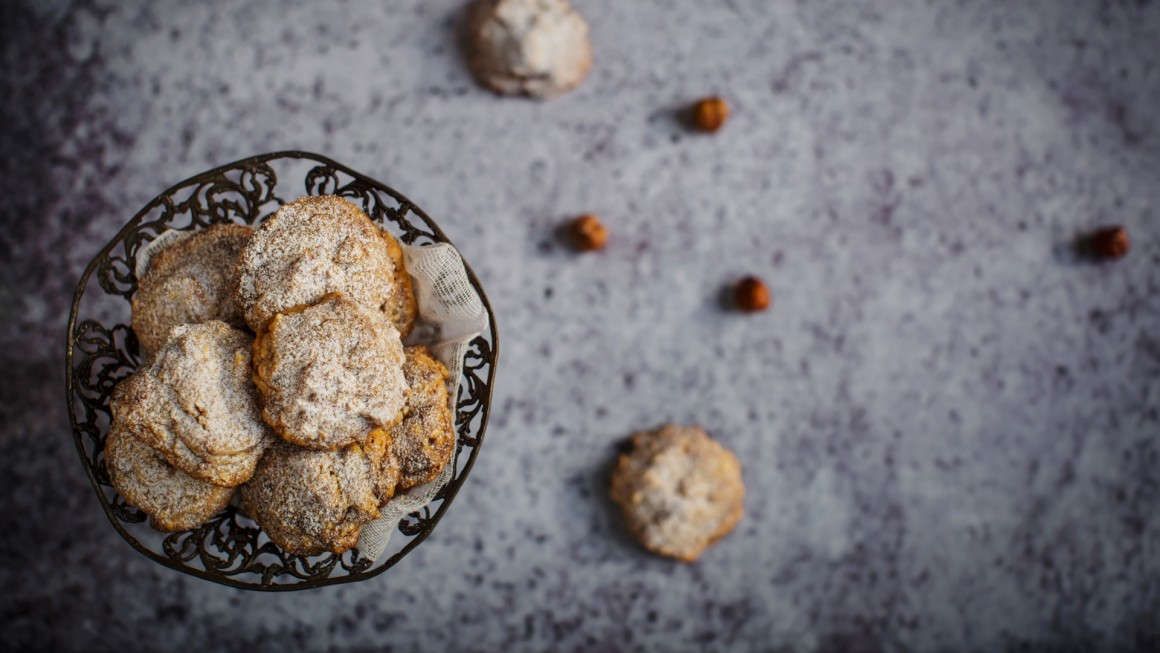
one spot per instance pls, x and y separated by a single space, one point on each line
231 549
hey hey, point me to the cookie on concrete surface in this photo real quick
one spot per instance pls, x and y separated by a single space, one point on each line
195 404
174 500
310 501
531 47
192 280
330 374
679 490
422 444
401 306
309 248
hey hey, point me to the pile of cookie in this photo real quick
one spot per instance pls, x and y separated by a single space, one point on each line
274 366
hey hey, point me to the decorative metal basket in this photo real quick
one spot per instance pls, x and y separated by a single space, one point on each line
102 350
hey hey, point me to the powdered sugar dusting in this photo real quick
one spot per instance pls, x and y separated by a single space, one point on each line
195 404
309 248
173 499
423 442
330 373
537 47
188 281
313 501
679 490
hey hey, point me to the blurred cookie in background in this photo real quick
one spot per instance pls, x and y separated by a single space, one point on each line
678 490
538 48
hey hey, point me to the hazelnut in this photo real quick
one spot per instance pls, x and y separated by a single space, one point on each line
751 294
1108 242
588 233
710 113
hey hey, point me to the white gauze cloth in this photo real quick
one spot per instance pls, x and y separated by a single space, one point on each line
449 303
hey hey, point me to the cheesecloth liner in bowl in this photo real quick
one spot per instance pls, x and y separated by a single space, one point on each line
449 303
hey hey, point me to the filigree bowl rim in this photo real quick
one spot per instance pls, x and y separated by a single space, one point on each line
453 485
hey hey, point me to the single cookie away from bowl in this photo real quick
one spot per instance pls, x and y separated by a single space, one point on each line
330 373
531 47
189 281
309 248
174 500
195 404
313 501
679 490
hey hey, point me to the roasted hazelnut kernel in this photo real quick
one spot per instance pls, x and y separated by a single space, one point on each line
710 113
588 233
751 295
1108 242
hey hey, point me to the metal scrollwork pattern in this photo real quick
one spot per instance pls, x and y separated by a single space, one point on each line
102 351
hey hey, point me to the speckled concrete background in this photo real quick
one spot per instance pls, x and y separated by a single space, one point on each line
949 425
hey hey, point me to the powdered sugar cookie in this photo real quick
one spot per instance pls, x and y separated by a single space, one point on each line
311 247
532 47
314 501
423 442
679 490
330 374
192 280
174 500
401 306
195 404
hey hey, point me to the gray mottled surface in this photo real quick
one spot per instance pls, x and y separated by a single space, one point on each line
949 425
